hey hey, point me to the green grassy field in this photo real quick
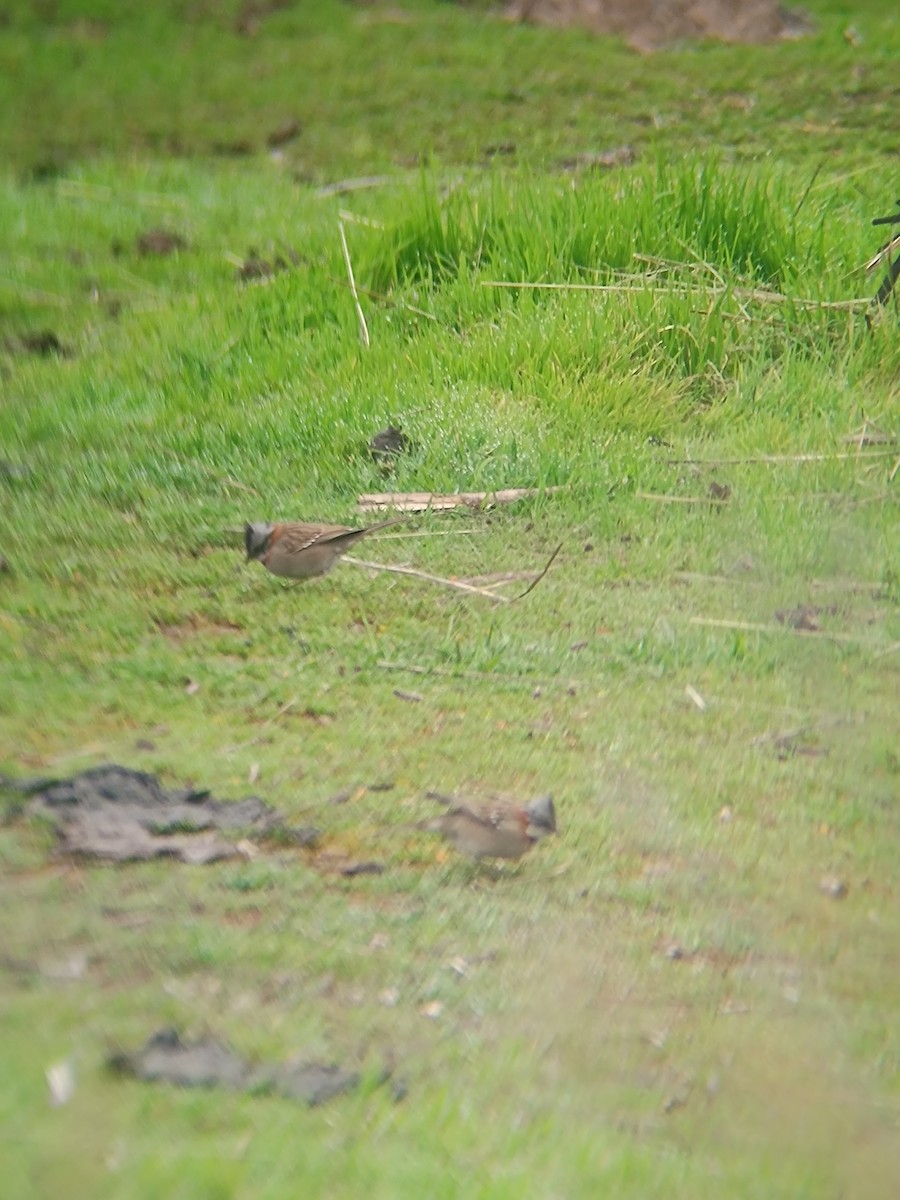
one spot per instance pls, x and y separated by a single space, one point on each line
662 1000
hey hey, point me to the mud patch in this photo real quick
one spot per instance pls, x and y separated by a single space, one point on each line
195 625
120 815
209 1063
43 342
648 25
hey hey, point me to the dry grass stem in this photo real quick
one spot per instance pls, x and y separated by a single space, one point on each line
433 533
498 578
755 294
775 459
694 696
863 586
847 585
391 300
35 295
262 730
439 502
662 498
439 579
537 580
885 252
453 673
78 189
762 627
227 481
343 186
360 316
459 584
869 434
353 219
697 577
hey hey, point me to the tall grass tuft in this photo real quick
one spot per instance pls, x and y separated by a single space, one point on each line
733 219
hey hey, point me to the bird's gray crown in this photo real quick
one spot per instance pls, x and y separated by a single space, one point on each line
542 814
256 538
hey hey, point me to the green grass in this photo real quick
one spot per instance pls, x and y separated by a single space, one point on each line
658 1001
376 86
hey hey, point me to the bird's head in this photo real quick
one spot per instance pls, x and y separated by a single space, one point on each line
256 538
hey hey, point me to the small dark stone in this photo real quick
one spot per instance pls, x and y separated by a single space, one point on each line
13 471
719 492
804 617
238 148
388 443
44 342
286 132
207 1062
160 242
499 150
833 887
351 870
121 815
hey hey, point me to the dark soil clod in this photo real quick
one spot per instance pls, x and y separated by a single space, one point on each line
209 1063
120 815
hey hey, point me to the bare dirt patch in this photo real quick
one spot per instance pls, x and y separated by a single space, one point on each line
119 815
195 625
649 24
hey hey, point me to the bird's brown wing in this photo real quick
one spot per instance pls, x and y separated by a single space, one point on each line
489 816
492 815
298 536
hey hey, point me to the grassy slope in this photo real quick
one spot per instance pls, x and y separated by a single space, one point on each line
376 86
577 1051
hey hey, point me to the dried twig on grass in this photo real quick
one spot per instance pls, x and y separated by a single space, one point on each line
459 584
893 274
264 727
869 434
381 298
77 189
360 317
536 581
864 586
762 627
439 579
884 254
343 186
352 218
756 294
791 735
433 533
776 459
459 673
436 501
499 579
663 498
699 577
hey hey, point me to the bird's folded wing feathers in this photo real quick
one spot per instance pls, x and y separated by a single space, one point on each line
488 818
309 535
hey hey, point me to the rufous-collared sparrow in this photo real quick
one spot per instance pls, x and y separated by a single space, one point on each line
494 829
297 550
